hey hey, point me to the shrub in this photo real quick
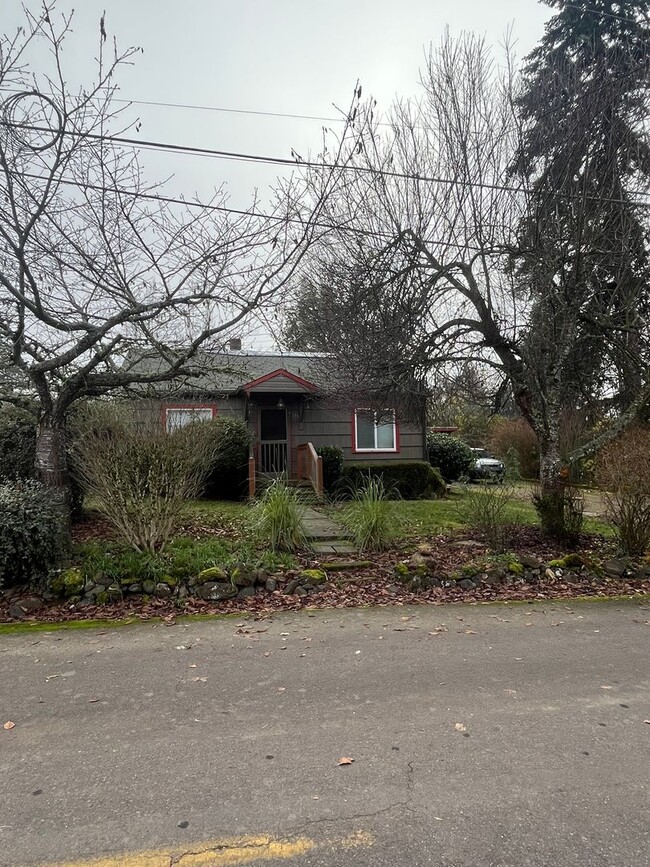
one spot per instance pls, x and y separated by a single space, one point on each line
484 509
18 453
279 517
227 475
409 480
332 466
622 469
141 477
17 444
450 455
560 513
508 433
371 518
30 532
511 463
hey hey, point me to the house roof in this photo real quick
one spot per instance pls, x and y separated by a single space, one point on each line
231 372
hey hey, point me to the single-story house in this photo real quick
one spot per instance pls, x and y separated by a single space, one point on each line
293 403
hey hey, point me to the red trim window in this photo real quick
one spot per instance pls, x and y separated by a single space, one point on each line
375 431
180 415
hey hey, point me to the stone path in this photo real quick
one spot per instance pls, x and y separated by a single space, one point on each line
325 536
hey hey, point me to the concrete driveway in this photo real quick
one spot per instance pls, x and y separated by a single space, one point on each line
493 735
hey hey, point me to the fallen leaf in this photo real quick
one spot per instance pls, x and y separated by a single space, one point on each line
281 688
607 687
460 727
93 700
192 665
647 722
9 725
469 632
345 760
199 680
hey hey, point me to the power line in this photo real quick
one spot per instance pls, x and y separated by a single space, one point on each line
383 236
300 163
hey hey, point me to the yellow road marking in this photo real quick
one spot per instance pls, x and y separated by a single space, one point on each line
225 852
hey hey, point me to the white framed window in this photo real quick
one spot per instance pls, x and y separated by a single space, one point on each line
375 430
177 417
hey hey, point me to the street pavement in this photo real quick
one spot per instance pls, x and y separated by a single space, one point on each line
496 735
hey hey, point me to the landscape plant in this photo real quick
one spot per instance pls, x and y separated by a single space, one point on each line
450 455
623 472
485 510
31 541
371 516
278 517
139 476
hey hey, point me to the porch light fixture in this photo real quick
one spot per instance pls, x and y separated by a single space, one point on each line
280 404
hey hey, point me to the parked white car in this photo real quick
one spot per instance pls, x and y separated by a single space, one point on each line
486 467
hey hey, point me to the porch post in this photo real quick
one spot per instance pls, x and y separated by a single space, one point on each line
251 477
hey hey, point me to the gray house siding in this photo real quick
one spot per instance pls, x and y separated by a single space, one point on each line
313 420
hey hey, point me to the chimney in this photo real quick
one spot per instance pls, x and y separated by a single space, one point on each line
234 344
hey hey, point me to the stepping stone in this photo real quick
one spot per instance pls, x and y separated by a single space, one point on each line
334 546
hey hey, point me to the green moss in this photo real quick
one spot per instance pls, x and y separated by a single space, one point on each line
102 598
342 565
515 567
214 573
169 580
402 570
316 576
68 583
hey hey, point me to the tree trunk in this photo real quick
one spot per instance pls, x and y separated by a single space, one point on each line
52 465
551 503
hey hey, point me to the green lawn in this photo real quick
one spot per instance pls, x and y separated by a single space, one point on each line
417 518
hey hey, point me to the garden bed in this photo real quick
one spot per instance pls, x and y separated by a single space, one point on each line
431 570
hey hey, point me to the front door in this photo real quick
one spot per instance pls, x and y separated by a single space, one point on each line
273 441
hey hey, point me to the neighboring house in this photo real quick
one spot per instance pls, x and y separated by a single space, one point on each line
292 404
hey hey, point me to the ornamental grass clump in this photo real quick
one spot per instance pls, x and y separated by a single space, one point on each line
371 516
279 517
485 510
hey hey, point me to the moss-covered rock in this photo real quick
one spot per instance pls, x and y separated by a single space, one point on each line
169 580
515 567
213 574
68 583
402 571
313 576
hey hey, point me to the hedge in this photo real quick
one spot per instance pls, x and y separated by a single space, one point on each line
408 480
332 466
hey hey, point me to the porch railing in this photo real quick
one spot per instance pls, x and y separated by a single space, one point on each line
310 467
273 457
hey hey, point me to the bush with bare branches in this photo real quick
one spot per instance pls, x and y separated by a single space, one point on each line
623 471
141 477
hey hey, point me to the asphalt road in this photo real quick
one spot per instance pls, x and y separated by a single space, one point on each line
493 735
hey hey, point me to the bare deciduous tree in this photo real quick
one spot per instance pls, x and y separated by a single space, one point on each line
96 264
485 255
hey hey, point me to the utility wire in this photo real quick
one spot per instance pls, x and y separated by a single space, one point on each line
157 197
300 163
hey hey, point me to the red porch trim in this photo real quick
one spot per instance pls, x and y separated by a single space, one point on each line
280 372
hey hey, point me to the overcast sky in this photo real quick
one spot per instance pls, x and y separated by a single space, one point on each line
280 56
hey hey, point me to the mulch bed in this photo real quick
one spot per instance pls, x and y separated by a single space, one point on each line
374 585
